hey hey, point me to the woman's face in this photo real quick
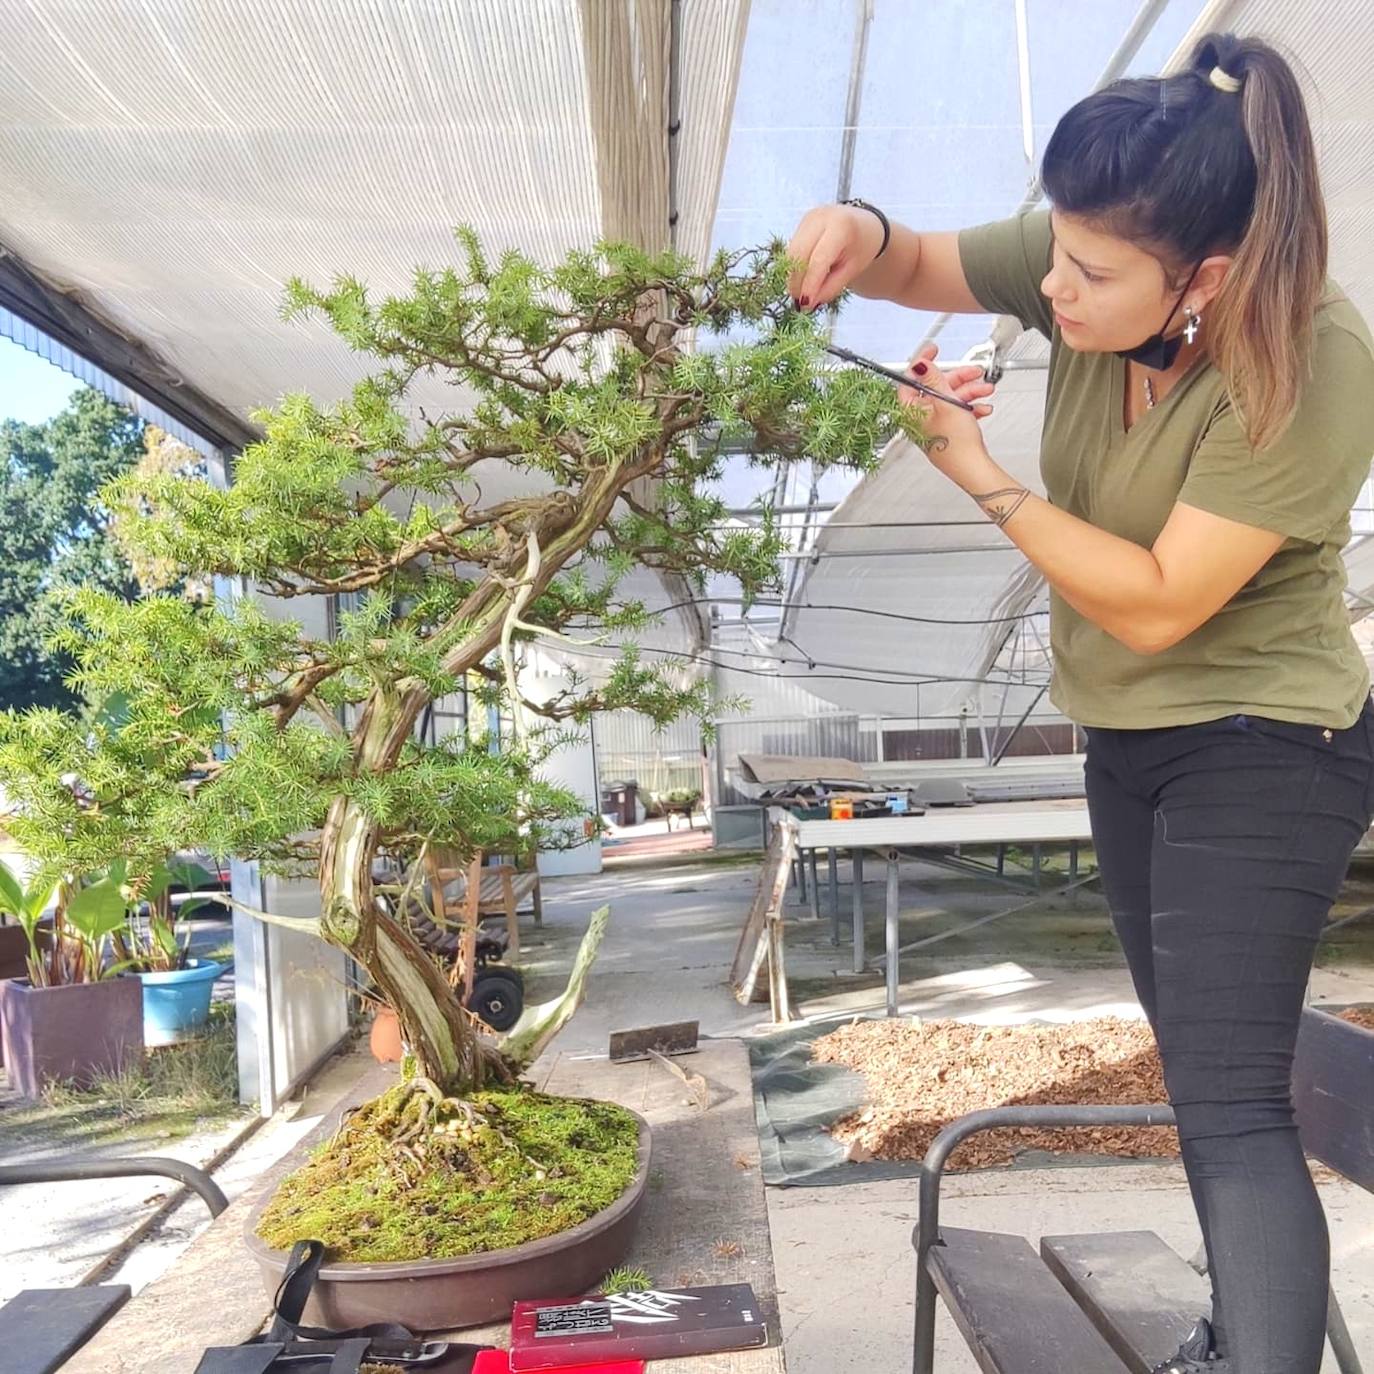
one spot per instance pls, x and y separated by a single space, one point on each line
1107 294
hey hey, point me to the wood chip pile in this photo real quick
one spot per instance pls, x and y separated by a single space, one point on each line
922 1076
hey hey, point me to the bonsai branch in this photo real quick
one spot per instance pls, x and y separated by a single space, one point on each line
305 925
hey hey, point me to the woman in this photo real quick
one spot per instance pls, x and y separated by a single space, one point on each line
1208 425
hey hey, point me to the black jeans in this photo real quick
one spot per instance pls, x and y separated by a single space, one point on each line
1221 848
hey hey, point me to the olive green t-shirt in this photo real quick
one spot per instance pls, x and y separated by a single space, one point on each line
1282 647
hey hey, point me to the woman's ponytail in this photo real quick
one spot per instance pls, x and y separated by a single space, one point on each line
1217 158
1260 330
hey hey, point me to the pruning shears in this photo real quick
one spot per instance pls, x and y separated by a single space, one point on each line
901 378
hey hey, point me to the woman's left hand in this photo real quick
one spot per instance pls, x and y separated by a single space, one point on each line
954 442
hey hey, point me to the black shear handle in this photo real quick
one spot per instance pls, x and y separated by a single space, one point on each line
894 376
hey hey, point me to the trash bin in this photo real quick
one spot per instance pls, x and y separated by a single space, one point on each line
619 801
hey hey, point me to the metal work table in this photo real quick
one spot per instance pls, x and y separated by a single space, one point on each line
930 837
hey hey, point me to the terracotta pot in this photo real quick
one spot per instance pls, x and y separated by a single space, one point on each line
71 1032
385 1039
472 1290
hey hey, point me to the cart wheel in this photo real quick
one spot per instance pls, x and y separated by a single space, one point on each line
505 971
497 998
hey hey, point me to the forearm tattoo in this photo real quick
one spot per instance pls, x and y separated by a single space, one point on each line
1002 504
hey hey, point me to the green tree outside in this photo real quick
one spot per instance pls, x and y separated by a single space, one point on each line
56 534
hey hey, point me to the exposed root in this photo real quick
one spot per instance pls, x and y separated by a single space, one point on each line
422 1111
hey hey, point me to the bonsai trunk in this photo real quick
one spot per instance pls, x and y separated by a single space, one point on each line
449 1049
447 1046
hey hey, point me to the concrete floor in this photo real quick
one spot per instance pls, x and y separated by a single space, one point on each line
847 1274
844 1261
843 1254
55 1234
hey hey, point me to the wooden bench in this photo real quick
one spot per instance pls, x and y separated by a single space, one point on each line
1116 1302
499 889
42 1328
459 896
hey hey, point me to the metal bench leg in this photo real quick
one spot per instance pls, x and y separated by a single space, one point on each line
927 1230
1338 1333
923 1360
857 861
815 886
890 932
833 866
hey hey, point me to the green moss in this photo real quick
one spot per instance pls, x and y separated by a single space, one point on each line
444 1194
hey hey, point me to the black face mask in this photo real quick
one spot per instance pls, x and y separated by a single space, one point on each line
1158 353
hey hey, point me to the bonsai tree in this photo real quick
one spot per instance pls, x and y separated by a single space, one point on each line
238 732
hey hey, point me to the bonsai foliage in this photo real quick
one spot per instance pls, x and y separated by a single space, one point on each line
589 390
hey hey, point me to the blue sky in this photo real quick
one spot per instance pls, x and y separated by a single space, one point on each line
31 389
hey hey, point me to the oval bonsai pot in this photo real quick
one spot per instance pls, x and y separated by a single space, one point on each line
176 1004
469 1290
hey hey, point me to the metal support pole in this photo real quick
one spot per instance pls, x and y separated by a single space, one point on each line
674 114
1347 1360
858 894
890 933
832 860
815 885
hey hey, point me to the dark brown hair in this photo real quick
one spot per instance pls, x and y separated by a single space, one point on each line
1186 168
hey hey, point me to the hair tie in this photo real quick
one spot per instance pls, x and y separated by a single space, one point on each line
1224 81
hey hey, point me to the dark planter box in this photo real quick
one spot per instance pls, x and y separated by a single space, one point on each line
70 1033
14 952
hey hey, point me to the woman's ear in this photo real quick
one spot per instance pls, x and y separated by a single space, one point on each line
1211 275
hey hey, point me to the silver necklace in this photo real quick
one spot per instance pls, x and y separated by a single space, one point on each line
1149 392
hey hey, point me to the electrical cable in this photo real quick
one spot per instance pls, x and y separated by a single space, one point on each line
856 610
895 679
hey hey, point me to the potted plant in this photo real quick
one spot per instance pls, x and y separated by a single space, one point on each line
247 734
69 1019
154 945
681 801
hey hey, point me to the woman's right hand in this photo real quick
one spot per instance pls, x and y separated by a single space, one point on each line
834 244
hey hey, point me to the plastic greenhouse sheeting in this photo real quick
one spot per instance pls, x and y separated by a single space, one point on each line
948 582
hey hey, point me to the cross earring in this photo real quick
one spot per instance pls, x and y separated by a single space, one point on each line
1194 323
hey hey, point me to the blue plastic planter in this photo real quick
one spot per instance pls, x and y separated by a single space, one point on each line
177 1004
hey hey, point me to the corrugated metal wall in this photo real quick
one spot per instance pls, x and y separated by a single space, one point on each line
629 748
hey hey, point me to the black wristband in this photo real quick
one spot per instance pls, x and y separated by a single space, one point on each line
882 219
